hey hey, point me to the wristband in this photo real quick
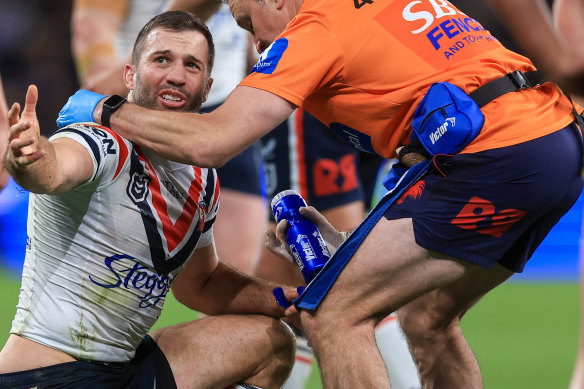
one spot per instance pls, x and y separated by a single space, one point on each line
111 105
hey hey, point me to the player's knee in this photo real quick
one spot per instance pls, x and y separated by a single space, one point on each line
422 324
318 324
280 359
321 327
285 343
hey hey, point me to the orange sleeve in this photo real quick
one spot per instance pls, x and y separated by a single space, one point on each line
306 57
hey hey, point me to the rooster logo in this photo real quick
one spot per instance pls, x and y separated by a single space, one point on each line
414 192
203 209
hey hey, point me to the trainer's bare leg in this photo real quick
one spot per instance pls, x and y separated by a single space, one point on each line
432 326
388 271
218 351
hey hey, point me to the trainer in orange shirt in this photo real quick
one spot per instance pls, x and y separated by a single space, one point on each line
474 219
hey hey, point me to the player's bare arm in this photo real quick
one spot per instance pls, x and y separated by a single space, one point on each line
204 9
35 163
94 24
568 16
532 25
214 287
206 140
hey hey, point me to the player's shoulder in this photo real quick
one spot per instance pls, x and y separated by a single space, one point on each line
88 129
99 140
85 127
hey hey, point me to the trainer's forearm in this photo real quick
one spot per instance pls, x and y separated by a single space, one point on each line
205 140
189 138
41 175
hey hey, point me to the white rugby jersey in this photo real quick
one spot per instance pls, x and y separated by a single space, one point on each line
138 13
231 48
101 257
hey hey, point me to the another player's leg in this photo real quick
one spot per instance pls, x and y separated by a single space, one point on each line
218 351
239 229
394 349
383 275
241 221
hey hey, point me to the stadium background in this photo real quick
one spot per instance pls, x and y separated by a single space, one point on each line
524 333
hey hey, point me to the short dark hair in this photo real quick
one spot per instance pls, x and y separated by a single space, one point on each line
174 21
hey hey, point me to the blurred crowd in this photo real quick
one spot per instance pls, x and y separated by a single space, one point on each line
34 48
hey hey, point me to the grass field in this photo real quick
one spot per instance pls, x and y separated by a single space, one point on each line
524 334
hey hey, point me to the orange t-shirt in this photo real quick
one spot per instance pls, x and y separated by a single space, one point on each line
362 67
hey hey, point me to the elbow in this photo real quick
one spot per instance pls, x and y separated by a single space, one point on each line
207 155
180 297
183 297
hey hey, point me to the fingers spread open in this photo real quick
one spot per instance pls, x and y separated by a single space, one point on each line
17 129
13 114
18 144
30 158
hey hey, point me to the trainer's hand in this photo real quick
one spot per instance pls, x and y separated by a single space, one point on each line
276 245
332 237
24 135
80 108
276 242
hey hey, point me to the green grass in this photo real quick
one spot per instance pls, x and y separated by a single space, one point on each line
523 334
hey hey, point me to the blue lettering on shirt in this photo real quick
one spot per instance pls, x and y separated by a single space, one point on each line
137 277
451 28
270 57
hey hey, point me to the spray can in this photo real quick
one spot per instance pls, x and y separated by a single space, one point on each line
305 241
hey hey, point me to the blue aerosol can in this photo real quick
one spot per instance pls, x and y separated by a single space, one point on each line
306 244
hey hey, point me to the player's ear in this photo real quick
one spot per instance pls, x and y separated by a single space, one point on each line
207 89
129 73
279 4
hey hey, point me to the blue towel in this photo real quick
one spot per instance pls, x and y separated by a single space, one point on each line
321 284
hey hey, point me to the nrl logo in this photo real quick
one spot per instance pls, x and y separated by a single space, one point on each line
138 187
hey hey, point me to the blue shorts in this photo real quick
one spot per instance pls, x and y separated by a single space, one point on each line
148 370
498 205
305 155
244 172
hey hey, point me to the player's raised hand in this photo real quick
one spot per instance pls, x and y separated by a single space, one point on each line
24 133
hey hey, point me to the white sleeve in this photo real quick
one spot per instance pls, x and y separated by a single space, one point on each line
108 150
